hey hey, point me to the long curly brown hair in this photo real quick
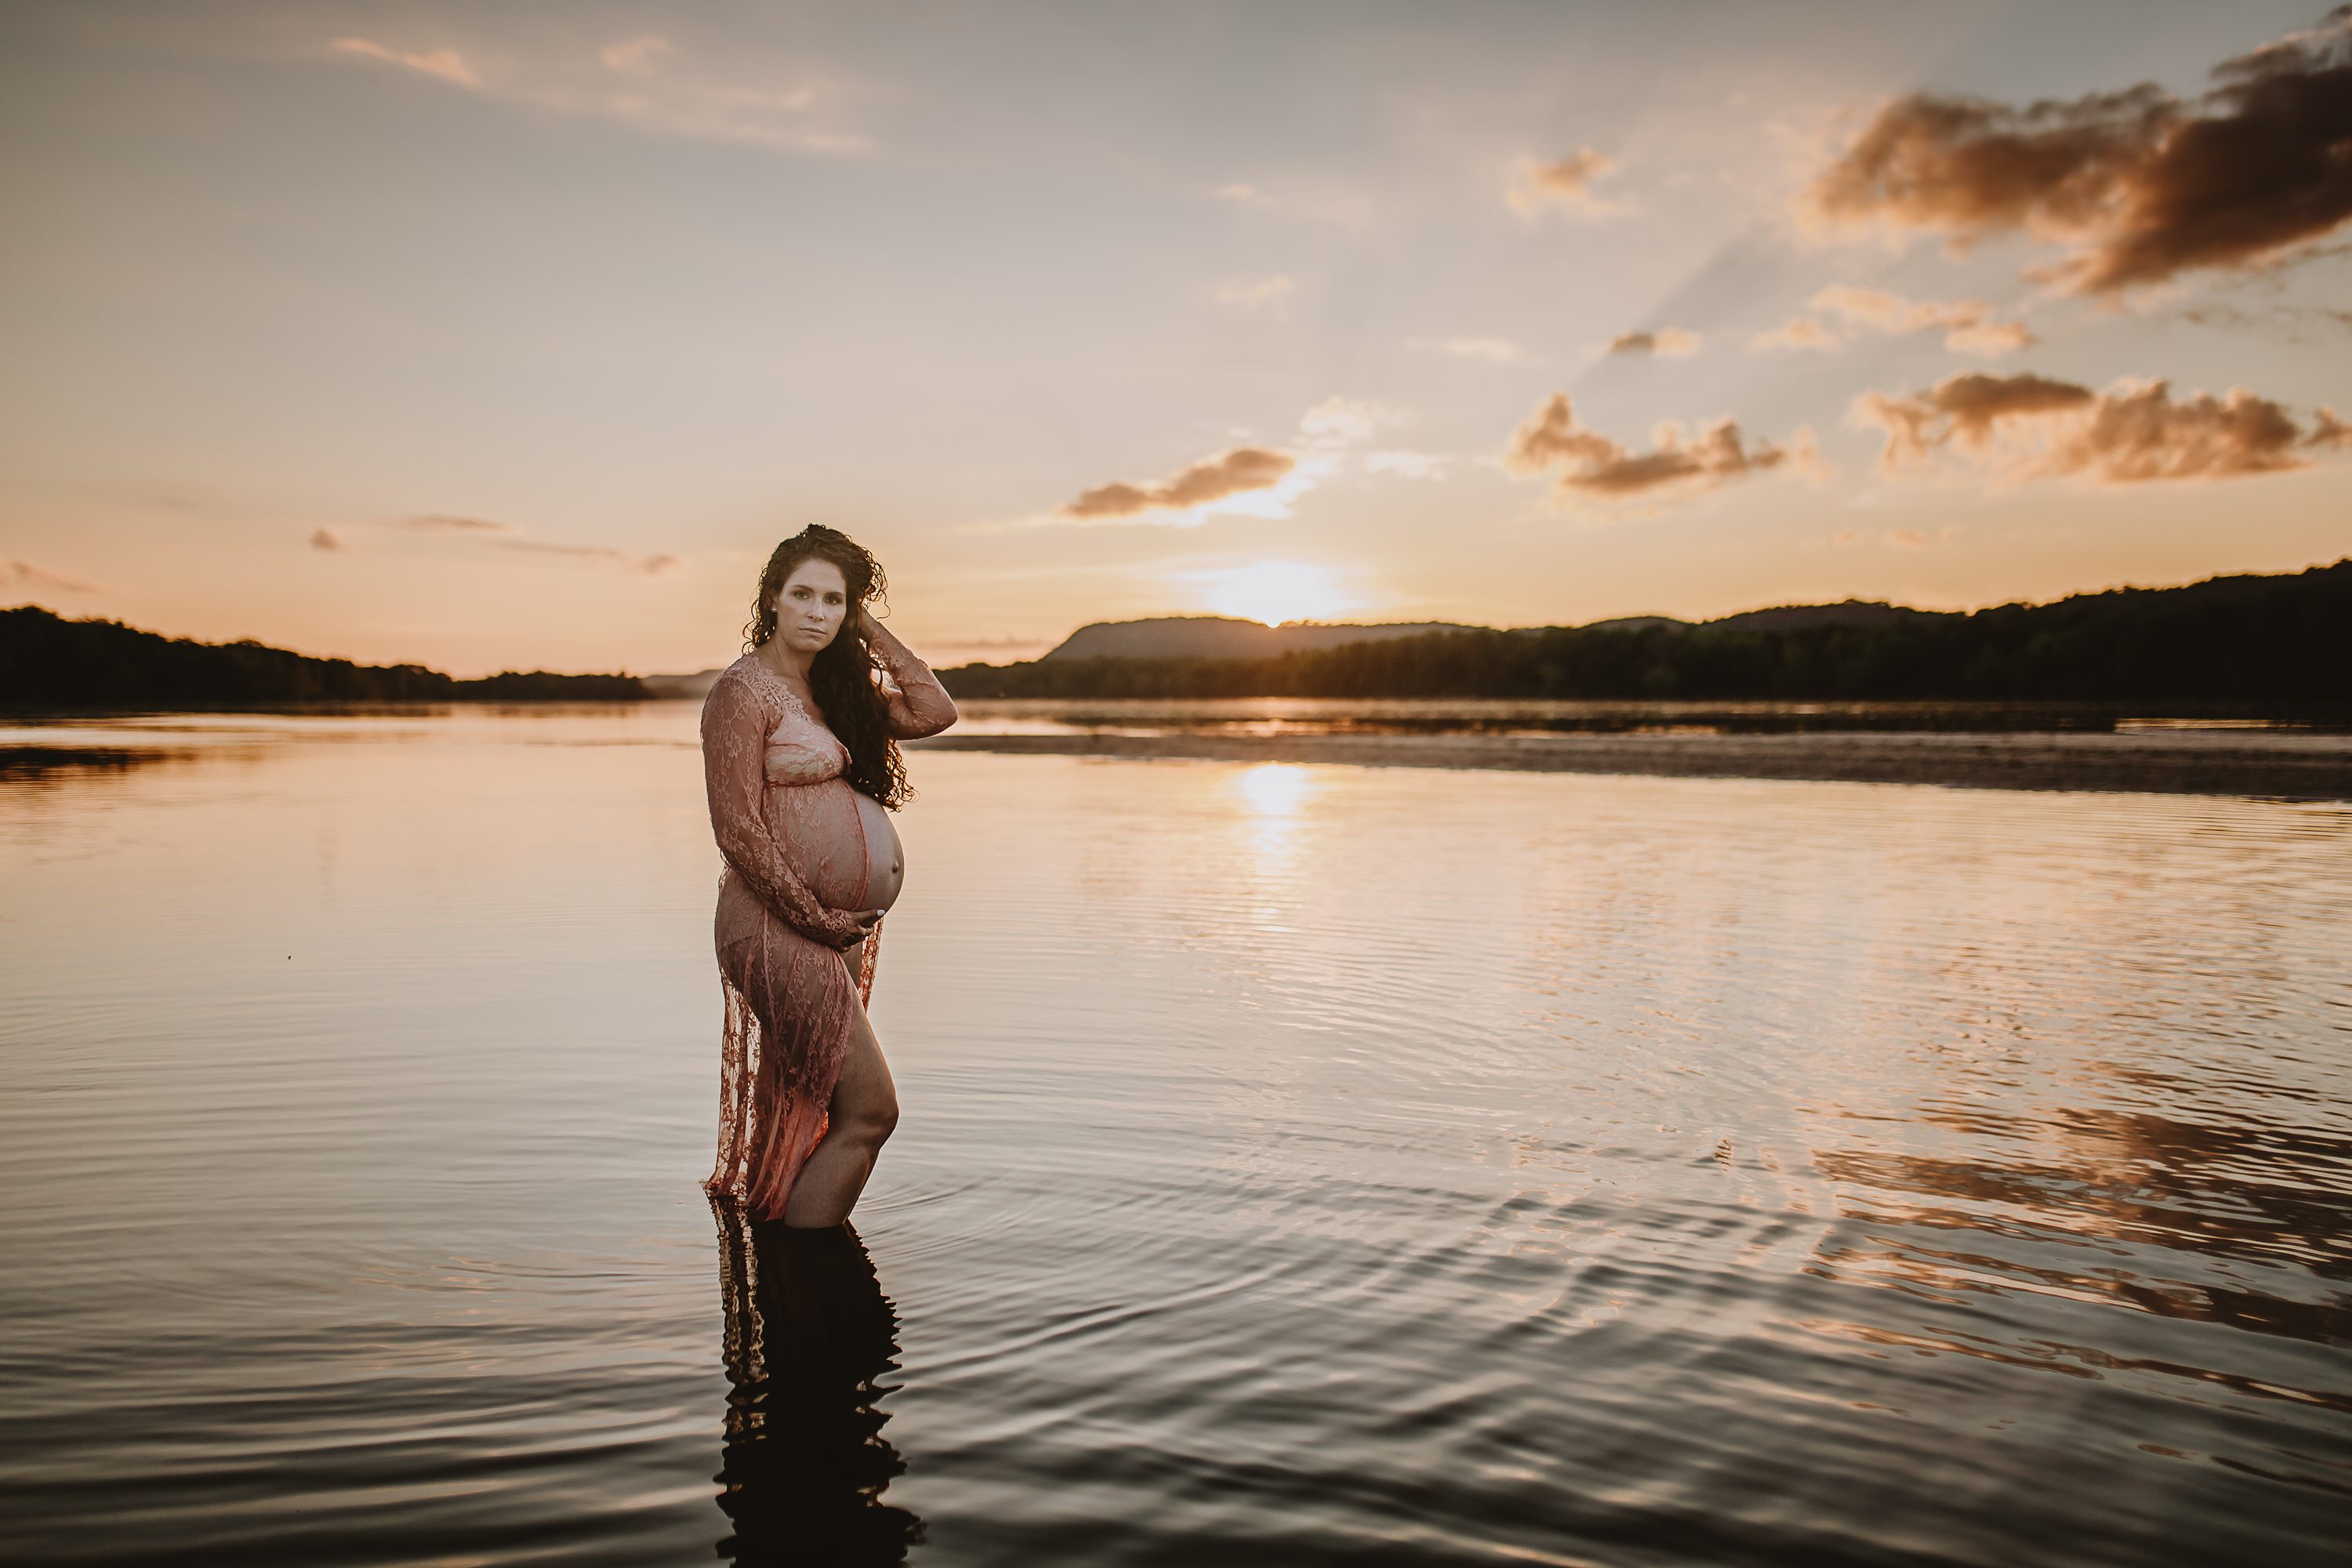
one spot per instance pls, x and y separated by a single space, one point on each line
843 674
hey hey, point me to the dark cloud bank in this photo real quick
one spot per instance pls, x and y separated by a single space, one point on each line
2144 185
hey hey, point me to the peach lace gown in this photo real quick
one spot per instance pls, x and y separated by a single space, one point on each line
799 867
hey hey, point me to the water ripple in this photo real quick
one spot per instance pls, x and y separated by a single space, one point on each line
1300 1165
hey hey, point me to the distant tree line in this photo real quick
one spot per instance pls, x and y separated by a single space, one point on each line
2271 640
46 661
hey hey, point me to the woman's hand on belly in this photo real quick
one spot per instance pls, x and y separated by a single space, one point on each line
855 926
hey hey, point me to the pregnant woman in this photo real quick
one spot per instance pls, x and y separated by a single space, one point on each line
800 754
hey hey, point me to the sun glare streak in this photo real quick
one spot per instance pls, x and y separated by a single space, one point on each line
1272 802
1274 789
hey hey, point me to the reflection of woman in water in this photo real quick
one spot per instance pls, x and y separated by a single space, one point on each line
809 1334
799 751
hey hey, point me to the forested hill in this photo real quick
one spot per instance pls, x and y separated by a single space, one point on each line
46 661
1222 637
2283 639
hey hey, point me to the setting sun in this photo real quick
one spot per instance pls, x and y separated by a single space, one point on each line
1277 591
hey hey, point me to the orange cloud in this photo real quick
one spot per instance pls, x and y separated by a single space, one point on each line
2029 426
1968 325
1587 464
2140 184
328 539
446 64
1242 468
1567 181
1666 342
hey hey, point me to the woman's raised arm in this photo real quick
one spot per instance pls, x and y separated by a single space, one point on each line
734 750
920 706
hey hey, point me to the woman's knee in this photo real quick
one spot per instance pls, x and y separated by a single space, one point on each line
871 1121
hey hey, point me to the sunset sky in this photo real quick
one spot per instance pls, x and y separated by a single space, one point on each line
516 335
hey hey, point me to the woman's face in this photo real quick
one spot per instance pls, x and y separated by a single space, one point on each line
811 606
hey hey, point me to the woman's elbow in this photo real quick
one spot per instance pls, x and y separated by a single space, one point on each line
738 847
929 720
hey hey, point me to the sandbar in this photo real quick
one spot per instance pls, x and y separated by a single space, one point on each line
2289 764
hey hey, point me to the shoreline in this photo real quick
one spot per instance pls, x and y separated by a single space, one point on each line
2301 766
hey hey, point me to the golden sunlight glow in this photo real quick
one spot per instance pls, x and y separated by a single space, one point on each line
1275 592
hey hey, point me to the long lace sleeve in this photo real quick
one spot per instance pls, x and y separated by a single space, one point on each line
919 705
734 743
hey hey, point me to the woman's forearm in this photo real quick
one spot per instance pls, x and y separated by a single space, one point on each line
920 706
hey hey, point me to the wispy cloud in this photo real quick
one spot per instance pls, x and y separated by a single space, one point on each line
1901 538
636 57
506 536
646 82
1586 466
2139 184
1302 196
1337 424
1666 342
1800 332
2295 323
2021 428
628 561
328 539
441 522
1251 295
446 64
1562 183
1406 464
1970 326
1495 351
24 575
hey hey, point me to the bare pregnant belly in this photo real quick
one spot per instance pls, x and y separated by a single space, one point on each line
886 857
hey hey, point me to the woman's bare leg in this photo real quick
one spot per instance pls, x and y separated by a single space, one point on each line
863 1110
852 957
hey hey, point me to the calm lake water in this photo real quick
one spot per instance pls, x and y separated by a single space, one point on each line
1300 1165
